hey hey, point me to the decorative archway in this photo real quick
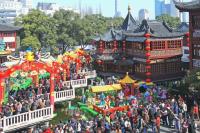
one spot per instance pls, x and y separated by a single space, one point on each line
30 66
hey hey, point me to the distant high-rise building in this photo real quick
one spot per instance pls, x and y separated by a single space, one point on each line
165 7
27 3
10 9
48 8
158 7
174 12
143 14
117 12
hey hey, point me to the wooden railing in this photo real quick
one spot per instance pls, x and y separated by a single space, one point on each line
15 122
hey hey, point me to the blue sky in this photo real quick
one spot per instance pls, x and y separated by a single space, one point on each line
108 6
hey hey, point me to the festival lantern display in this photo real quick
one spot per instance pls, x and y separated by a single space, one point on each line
148 61
100 46
114 46
124 46
33 66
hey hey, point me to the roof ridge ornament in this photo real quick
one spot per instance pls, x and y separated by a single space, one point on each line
129 8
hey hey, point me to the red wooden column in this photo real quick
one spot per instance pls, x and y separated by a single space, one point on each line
52 84
1 93
188 44
148 61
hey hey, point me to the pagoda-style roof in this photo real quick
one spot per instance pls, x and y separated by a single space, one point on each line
110 35
156 29
188 6
183 27
5 27
129 23
127 80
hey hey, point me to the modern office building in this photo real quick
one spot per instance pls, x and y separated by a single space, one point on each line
10 9
165 7
117 12
143 14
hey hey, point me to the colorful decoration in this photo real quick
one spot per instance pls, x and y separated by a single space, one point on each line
124 46
148 54
29 56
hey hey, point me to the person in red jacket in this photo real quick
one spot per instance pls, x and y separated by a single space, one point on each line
48 130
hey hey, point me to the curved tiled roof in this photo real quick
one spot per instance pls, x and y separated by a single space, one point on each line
129 23
187 6
183 27
5 27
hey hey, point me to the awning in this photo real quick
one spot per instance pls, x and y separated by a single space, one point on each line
127 80
104 88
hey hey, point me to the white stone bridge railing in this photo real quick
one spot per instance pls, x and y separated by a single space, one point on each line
15 122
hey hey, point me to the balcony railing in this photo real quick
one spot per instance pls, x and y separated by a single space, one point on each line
15 122
79 83
62 95
165 53
65 95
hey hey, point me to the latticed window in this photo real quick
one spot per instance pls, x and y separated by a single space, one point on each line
157 45
174 44
158 68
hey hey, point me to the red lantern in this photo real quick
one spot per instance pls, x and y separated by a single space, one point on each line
148 61
147 35
187 34
114 46
148 54
99 62
148 73
147 48
188 39
124 45
100 46
147 42
148 80
148 67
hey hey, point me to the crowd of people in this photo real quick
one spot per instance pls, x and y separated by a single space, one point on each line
178 113
25 100
147 111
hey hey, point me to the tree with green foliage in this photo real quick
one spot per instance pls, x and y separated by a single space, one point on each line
39 30
65 28
173 22
62 31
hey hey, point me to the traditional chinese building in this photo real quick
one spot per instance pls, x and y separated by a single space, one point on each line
184 28
193 8
8 41
149 51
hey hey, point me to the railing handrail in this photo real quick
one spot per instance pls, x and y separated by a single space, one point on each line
64 91
27 118
6 117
